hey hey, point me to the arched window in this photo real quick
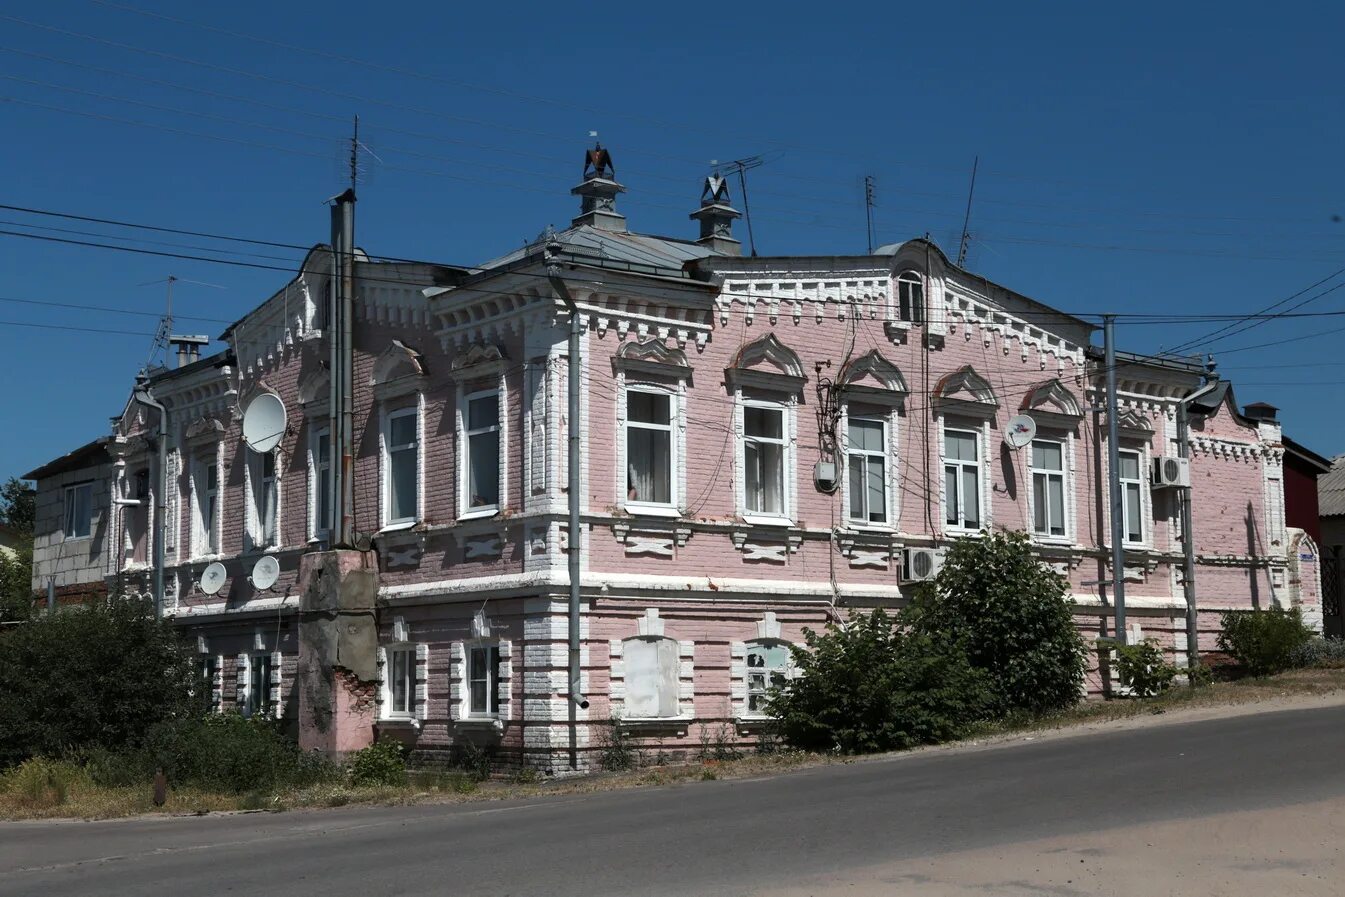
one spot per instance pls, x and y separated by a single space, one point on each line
911 297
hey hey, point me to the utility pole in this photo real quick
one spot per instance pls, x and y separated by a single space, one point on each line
1188 537
868 208
1114 481
342 412
965 243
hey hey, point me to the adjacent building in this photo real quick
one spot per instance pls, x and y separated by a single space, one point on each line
768 442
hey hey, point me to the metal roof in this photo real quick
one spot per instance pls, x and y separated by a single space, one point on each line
1331 489
627 251
87 455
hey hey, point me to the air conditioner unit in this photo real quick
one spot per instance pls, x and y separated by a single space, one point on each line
1171 472
922 564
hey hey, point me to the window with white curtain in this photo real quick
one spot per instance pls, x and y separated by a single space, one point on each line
257 698
205 486
765 458
399 681
264 496
650 447
402 465
1132 486
482 437
962 479
866 457
1048 487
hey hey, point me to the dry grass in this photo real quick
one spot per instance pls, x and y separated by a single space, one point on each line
43 789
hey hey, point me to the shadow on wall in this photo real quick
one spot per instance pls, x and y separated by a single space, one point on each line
1253 550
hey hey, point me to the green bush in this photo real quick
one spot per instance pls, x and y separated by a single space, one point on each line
381 763
1143 669
868 686
618 751
1263 642
1319 652
227 752
1010 614
101 675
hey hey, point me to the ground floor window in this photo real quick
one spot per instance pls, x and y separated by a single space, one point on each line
483 680
651 678
767 669
256 700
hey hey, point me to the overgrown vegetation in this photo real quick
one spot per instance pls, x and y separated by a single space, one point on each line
381 763
1143 669
1320 652
1264 642
17 513
617 751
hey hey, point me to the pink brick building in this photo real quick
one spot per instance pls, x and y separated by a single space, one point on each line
717 390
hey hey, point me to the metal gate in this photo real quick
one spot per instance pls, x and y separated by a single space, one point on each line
1331 618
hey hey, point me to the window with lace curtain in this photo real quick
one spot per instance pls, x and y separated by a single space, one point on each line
650 448
766 459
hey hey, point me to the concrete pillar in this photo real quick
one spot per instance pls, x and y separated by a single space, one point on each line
338 651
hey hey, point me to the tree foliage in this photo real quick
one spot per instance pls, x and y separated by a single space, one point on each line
1010 613
18 506
868 685
17 512
100 675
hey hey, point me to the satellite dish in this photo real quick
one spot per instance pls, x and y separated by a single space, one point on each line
266 572
212 578
1020 431
264 422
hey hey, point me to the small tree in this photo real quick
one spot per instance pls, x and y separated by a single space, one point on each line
1009 612
868 686
96 676
17 512
1263 642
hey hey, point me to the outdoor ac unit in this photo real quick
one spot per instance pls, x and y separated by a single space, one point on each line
1171 472
922 564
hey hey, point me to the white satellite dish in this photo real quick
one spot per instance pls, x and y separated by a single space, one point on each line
265 572
212 578
264 422
1020 431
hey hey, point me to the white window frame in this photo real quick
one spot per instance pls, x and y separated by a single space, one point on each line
786 671
392 652
494 697
70 508
258 485
885 455
911 303
674 450
205 526
785 441
1062 476
318 492
413 412
978 465
466 510
247 704
1137 484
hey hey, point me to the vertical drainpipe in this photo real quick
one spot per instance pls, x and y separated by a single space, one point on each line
1188 537
342 406
1118 573
145 397
577 700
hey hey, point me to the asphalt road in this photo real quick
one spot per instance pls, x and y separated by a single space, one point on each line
758 836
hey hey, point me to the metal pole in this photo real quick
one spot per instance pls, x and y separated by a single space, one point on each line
1114 481
1188 542
334 403
577 700
342 412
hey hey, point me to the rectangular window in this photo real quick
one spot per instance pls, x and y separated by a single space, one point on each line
401 680
866 456
1131 492
483 685
764 459
206 485
264 496
257 701
482 434
651 678
767 669
321 499
962 479
649 447
207 667
402 443
1048 488
79 511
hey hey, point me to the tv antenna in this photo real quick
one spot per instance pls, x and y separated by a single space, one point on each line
966 221
356 170
163 335
868 208
740 167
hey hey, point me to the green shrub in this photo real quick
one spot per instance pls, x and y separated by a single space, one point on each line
1319 652
617 752
472 759
101 675
226 752
41 782
1263 642
1143 669
381 763
1010 614
868 686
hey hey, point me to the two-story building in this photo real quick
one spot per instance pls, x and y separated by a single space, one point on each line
767 443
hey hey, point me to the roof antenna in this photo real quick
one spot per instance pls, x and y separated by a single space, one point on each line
966 221
868 207
740 167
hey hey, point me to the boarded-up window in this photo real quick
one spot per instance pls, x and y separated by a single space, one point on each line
651 678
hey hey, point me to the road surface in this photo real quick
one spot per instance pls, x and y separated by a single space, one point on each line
1244 805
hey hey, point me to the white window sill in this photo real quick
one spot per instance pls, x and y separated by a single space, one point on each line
397 526
1062 541
643 510
862 527
767 520
76 539
408 721
961 532
478 513
490 723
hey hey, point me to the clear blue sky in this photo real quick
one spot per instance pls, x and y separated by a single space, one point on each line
1145 158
